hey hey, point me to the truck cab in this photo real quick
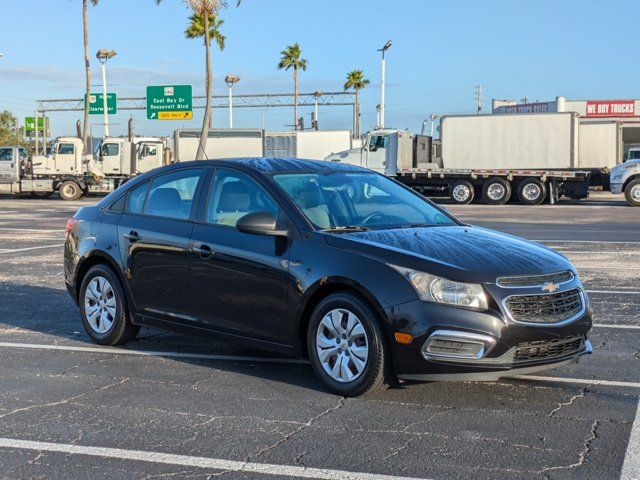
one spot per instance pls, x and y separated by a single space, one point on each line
119 156
383 150
625 178
12 160
67 158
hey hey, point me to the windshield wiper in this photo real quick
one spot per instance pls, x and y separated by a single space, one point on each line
346 228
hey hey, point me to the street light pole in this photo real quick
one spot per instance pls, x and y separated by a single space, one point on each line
382 79
103 55
230 80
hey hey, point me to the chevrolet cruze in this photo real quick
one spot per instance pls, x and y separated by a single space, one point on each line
366 278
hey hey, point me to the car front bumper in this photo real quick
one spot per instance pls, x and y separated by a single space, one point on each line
512 348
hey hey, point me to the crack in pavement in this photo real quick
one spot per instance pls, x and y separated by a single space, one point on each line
582 394
60 402
582 456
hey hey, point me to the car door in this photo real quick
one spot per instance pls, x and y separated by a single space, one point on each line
8 165
153 233
65 157
238 280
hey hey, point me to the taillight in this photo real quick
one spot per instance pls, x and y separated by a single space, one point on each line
71 222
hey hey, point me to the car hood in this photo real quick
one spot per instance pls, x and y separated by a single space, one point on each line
461 253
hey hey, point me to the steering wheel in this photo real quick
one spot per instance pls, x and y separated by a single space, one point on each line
372 216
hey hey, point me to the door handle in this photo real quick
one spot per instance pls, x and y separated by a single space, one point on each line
203 250
132 236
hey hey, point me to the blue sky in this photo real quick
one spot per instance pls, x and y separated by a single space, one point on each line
441 49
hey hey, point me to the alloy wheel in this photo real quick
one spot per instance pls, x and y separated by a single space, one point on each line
531 191
342 345
461 193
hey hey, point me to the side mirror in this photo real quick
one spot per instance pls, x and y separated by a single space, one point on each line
260 223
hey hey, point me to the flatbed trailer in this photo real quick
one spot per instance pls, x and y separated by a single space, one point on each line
497 186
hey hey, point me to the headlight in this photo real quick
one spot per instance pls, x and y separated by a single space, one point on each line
440 290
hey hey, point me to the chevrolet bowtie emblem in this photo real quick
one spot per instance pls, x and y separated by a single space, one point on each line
550 287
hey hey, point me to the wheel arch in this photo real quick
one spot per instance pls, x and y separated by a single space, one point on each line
323 288
629 180
96 258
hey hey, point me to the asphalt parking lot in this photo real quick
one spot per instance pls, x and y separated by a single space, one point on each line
169 405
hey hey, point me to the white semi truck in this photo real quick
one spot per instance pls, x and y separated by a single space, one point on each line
234 143
72 174
625 178
530 157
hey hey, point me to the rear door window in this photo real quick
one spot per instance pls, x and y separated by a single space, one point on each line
171 195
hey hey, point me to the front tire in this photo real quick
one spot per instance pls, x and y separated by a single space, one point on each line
347 346
632 193
103 307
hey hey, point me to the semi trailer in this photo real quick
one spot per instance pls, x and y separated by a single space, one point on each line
236 142
528 157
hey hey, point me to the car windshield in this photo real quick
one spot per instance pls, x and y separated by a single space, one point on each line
358 201
634 154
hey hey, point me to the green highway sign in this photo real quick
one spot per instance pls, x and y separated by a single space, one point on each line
169 102
30 125
96 104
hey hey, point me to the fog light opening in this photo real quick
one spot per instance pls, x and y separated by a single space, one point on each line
454 345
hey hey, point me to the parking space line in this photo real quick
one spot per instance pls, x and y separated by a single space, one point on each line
143 353
15 250
614 292
621 326
631 465
620 242
584 381
11 229
199 462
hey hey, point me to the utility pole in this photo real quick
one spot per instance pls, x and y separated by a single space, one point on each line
230 80
103 55
479 98
382 79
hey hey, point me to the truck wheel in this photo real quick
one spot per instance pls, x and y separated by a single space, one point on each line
41 194
531 191
69 190
632 193
462 192
496 191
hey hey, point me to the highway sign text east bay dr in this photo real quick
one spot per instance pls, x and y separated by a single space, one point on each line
96 104
169 102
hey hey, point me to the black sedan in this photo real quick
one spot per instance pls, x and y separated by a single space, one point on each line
365 277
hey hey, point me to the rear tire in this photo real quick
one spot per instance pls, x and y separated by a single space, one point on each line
531 191
462 192
632 193
343 330
69 190
103 307
41 195
496 191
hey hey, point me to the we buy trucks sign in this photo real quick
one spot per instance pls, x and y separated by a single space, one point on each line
611 108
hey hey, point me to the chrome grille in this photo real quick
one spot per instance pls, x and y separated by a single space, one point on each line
545 308
546 349
533 280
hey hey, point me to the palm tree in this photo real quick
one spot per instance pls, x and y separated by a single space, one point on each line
205 19
356 80
87 66
198 25
291 59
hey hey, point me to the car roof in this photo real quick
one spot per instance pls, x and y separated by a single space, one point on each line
272 165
